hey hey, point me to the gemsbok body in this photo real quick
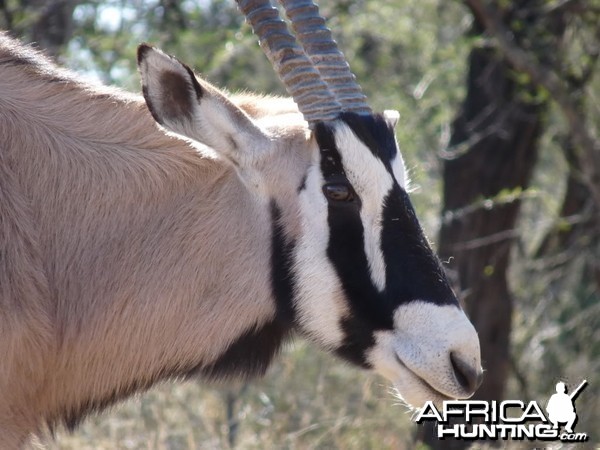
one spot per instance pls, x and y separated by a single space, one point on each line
130 254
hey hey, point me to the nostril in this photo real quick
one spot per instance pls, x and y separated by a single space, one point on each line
468 377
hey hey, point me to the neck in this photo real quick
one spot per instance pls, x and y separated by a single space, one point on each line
125 219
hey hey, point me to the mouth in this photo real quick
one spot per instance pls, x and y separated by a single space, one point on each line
424 367
417 383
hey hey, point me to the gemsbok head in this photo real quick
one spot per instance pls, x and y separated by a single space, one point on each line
130 255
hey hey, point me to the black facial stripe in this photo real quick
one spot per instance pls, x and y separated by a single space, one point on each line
331 160
370 310
413 271
346 248
375 133
359 338
346 251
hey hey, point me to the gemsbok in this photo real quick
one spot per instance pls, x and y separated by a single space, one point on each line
132 253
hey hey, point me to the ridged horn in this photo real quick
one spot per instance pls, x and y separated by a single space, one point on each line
302 81
319 45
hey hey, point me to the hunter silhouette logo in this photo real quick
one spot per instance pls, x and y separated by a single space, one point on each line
508 419
561 406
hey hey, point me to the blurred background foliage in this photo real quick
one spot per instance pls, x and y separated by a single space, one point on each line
499 104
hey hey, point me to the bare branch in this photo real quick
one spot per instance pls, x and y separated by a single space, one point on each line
486 240
547 78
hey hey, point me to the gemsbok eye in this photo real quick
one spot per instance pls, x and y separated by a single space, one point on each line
339 192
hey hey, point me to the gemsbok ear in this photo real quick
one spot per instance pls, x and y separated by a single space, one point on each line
189 106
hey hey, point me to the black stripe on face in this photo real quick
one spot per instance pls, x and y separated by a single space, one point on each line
331 160
346 248
358 339
346 251
413 271
375 133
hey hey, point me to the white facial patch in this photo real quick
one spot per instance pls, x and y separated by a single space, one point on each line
319 299
415 356
372 182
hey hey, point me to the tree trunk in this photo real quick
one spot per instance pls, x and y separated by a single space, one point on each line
54 25
49 23
495 140
481 203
